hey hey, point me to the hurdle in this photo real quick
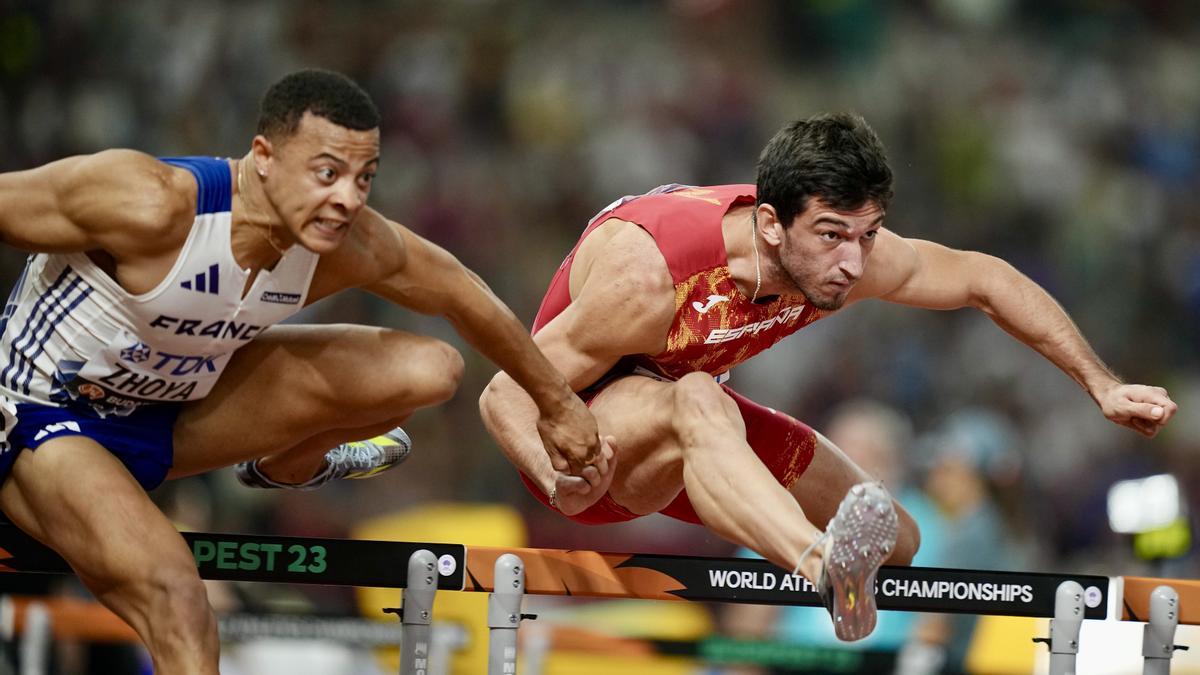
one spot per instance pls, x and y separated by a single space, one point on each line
508 574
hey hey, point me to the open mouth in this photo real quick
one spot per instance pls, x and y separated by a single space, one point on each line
329 228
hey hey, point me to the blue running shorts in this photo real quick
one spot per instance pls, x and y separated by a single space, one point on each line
142 440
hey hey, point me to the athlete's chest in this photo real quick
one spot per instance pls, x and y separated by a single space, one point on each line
172 342
717 327
200 282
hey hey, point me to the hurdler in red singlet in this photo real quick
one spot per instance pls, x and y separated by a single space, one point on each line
679 306
715 328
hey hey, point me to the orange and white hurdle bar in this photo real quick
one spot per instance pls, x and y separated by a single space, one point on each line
508 574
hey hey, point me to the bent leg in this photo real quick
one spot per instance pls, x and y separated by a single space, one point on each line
737 489
78 499
690 435
297 391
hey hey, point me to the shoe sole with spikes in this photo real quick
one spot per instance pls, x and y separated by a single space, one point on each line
862 536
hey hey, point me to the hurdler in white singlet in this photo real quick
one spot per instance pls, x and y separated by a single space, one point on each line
70 333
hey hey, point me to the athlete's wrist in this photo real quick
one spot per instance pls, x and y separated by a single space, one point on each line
1100 385
554 400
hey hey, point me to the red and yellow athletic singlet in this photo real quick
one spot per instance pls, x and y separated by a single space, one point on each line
715 326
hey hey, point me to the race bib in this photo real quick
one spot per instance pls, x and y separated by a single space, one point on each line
129 372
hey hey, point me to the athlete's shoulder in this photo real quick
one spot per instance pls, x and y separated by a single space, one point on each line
202 185
624 273
622 293
126 196
623 246
675 198
135 172
716 195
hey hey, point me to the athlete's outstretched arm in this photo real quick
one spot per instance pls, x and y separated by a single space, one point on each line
925 274
433 281
511 417
623 304
117 200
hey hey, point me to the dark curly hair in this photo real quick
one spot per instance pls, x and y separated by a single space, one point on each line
835 157
323 93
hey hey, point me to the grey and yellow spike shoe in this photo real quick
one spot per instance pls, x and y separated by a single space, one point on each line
355 459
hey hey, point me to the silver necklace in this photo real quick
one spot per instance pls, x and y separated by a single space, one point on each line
757 267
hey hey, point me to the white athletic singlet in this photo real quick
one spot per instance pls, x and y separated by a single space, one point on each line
70 334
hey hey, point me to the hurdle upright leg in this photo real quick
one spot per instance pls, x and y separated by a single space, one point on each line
1064 628
417 613
36 640
1158 635
504 615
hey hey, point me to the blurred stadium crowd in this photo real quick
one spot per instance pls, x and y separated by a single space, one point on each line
1061 135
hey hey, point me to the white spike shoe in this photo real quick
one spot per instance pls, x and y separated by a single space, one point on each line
859 538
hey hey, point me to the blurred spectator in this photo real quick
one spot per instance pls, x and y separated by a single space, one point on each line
971 459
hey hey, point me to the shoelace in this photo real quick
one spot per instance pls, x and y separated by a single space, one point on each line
359 455
819 541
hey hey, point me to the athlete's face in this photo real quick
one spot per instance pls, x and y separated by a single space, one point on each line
318 180
825 251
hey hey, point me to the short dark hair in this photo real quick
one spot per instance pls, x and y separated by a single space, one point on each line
835 157
323 93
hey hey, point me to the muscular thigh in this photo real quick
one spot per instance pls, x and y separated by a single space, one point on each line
786 447
75 496
637 411
294 382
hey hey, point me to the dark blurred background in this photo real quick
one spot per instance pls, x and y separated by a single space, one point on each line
1061 135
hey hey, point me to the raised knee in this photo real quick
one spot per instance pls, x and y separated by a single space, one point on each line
700 408
442 370
428 373
699 394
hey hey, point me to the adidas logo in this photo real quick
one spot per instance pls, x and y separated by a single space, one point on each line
205 282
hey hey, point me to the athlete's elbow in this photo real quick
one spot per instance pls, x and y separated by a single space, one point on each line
493 395
487 399
989 278
995 267
497 413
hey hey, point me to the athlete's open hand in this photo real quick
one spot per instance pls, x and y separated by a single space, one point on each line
570 436
1144 409
574 493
